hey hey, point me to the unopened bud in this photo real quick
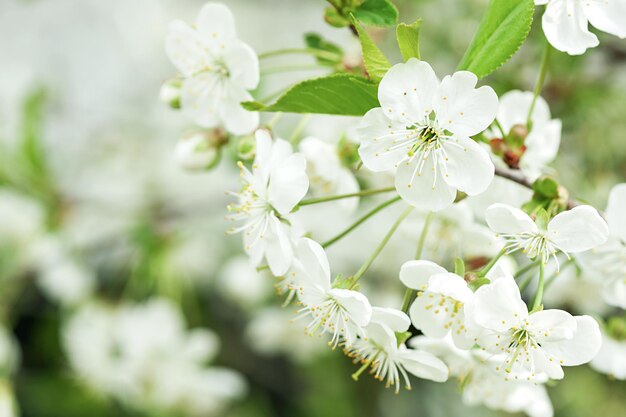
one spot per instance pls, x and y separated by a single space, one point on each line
517 135
200 151
246 148
170 92
497 146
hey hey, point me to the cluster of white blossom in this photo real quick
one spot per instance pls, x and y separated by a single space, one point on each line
438 141
144 356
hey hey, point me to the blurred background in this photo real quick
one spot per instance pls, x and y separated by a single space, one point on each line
120 294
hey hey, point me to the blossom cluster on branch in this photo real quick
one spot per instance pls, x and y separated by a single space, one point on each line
487 248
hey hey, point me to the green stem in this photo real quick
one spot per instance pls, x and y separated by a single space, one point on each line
297 132
380 247
491 263
406 300
408 293
525 282
422 239
342 196
543 71
274 120
360 221
540 288
500 128
525 269
302 51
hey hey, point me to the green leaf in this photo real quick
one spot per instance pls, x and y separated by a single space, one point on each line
546 187
343 94
315 41
409 39
376 62
377 13
501 33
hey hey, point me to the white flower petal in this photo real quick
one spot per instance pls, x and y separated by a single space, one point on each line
424 365
429 317
503 218
235 118
578 229
451 285
611 359
185 49
461 337
288 183
614 292
542 144
378 135
582 348
356 304
469 167
382 335
422 186
552 325
201 98
216 24
415 274
607 15
498 306
565 25
242 64
396 320
406 91
463 109
314 262
263 156
514 107
279 252
545 364
616 211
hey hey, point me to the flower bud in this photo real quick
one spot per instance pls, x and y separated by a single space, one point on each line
170 92
517 135
348 152
200 151
616 328
246 148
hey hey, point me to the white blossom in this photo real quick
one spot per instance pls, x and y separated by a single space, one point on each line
199 150
607 263
532 343
482 384
565 22
143 355
611 359
217 69
423 129
326 173
438 309
388 360
541 144
270 191
340 312
572 231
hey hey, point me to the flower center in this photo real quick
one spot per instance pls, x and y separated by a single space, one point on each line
533 244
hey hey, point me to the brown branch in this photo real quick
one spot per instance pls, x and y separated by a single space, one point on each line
523 181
